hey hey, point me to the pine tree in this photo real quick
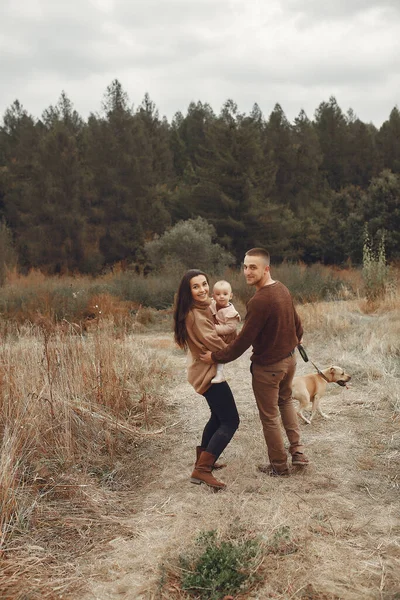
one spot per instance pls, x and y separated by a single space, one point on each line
280 134
330 123
20 139
388 140
382 211
363 161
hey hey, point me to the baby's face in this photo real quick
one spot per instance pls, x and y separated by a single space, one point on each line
222 295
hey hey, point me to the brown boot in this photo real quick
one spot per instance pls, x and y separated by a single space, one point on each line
216 465
202 472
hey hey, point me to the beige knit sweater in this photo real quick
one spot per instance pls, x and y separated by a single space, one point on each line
202 336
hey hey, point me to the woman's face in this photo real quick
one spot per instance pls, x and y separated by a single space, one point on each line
199 288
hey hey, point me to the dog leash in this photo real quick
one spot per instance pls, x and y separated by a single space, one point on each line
304 356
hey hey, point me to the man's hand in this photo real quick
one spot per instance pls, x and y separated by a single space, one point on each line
206 357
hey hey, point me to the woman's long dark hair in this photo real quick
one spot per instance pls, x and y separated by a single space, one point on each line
183 303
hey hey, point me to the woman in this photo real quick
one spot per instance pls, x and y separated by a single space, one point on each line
195 330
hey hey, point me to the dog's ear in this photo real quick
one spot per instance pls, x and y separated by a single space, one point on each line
332 370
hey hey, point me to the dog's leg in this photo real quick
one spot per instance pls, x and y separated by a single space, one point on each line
323 415
300 413
304 400
317 409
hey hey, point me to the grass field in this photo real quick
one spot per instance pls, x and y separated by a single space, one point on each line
98 429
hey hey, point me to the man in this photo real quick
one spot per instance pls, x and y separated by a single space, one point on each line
273 327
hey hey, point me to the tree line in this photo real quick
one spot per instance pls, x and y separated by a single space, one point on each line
78 196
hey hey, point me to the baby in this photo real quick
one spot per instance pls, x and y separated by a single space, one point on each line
226 319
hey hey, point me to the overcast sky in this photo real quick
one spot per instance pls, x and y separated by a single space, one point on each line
296 53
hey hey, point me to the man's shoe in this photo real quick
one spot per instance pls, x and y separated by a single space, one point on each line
272 472
300 459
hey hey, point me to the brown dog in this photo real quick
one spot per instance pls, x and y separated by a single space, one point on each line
311 387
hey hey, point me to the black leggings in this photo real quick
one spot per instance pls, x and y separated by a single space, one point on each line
224 419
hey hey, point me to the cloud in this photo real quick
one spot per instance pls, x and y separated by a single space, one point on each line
294 52
340 10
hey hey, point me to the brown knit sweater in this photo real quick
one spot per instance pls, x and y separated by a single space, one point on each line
272 326
202 336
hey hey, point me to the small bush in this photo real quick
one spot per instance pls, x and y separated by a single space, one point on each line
190 244
218 568
155 291
306 284
281 542
376 273
8 256
310 284
75 298
71 299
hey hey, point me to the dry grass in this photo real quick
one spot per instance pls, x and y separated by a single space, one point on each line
331 532
74 410
98 506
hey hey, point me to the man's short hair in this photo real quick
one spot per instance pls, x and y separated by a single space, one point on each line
259 252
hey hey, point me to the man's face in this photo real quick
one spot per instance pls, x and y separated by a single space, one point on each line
255 270
222 294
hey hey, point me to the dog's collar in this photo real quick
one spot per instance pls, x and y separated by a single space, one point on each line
320 372
339 382
323 376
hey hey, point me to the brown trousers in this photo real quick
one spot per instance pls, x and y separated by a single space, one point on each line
272 386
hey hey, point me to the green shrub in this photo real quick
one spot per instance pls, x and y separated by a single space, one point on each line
282 542
155 290
27 297
309 284
56 298
189 244
375 271
306 284
8 256
218 568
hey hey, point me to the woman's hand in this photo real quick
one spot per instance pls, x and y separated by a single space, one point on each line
206 357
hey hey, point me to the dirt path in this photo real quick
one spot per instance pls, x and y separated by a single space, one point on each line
341 512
